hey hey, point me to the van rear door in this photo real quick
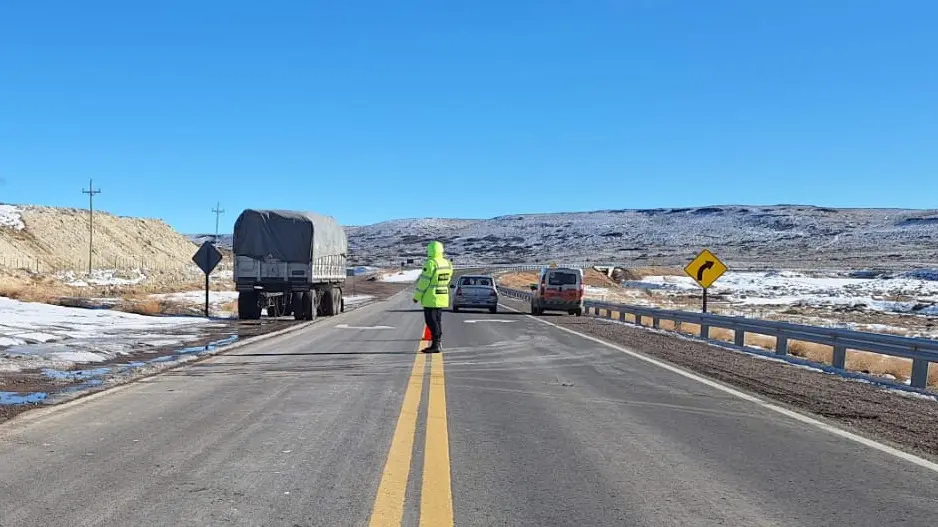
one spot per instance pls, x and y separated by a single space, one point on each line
562 285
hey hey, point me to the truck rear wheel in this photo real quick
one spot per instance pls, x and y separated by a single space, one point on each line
309 305
328 302
287 304
332 302
298 307
247 306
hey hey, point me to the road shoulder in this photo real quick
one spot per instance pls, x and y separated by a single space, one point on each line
897 419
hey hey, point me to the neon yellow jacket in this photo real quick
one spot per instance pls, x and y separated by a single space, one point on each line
433 284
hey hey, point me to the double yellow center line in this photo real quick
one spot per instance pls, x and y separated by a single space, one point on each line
436 496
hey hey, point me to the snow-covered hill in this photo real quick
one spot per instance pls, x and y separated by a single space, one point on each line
781 236
751 236
224 240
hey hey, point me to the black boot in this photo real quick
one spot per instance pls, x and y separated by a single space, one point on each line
434 347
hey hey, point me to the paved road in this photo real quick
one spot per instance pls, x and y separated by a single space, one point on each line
516 423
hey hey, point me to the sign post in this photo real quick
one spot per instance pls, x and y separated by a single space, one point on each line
207 258
705 269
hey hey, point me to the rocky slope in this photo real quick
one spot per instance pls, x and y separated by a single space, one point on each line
745 236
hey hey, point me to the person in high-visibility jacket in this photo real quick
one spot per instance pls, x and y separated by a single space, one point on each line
433 292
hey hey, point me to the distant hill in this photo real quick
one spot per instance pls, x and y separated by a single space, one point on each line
224 240
756 236
745 236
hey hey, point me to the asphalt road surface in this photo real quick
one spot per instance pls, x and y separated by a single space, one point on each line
515 423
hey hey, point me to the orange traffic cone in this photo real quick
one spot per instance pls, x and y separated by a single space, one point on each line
426 333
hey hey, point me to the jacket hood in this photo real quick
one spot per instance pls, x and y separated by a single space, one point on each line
435 249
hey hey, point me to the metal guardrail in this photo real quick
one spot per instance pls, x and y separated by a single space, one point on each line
922 351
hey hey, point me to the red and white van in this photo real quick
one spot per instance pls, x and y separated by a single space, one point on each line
558 289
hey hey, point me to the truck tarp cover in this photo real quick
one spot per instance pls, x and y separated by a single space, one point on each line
287 235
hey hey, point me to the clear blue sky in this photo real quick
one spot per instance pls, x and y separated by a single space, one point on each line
373 110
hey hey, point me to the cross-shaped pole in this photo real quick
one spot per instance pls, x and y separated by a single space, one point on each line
91 191
218 212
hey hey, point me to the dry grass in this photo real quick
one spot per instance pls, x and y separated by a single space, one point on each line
520 280
858 361
147 306
36 290
523 279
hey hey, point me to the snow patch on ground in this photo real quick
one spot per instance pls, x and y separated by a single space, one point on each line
10 218
198 297
914 395
595 291
102 277
36 335
905 293
410 275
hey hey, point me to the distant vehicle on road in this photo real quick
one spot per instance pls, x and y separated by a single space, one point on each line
476 291
558 289
289 262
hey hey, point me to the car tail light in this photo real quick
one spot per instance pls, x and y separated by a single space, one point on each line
493 293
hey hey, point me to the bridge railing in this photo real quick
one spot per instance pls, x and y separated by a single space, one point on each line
921 351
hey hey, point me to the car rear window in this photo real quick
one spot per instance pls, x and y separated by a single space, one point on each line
562 278
477 281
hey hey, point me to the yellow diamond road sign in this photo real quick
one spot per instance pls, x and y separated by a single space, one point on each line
705 269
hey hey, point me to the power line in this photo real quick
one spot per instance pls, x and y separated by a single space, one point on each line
91 191
218 212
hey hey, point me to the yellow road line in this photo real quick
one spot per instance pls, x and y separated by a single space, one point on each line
388 509
436 494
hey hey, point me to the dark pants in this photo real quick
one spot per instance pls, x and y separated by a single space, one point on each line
434 318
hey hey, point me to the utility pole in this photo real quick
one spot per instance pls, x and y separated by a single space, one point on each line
218 212
91 193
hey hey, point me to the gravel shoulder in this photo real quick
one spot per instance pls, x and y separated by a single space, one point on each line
905 421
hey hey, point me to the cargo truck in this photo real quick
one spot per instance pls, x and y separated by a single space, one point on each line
289 263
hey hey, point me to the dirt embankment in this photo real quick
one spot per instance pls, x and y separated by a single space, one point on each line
44 257
591 277
56 239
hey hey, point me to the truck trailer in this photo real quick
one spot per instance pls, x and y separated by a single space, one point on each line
289 263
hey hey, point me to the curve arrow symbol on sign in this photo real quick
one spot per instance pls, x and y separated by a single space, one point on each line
707 265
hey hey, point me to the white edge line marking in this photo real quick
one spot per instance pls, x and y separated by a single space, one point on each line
921 462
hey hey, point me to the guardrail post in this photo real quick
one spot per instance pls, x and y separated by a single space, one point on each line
596 311
704 331
638 319
609 314
919 373
840 357
656 322
781 345
739 337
